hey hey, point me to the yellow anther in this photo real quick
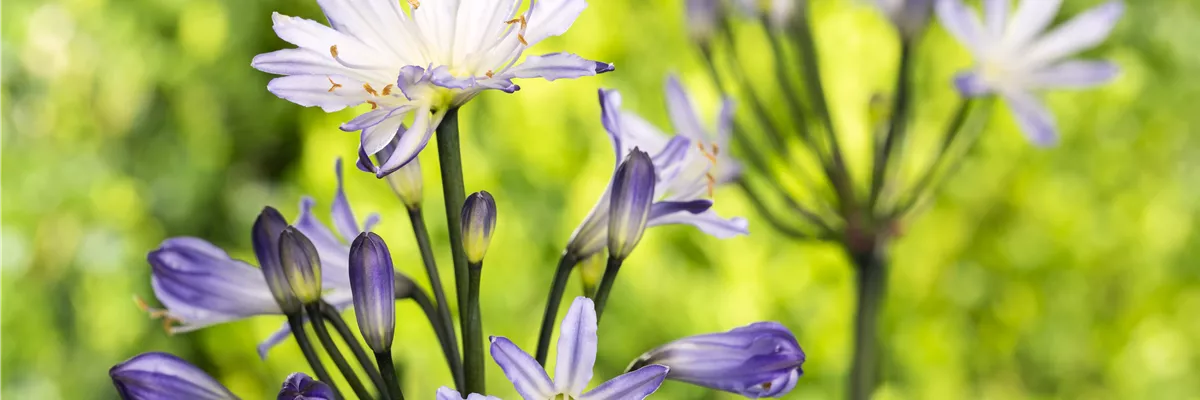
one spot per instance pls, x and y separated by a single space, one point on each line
524 24
369 89
414 4
489 73
715 150
373 105
387 90
333 85
712 157
333 51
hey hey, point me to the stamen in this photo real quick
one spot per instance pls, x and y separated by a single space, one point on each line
521 33
711 155
712 183
489 73
715 150
369 89
415 4
387 90
373 105
335 85
333 51
522 39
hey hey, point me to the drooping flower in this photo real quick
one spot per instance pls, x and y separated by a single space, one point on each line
1015 57
629 209
909 16
372 279
445 393
758 360
478 223
200 285
573 369
162 376
425 61
299 386
689 165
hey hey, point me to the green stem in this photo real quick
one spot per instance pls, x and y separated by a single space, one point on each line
389 374
871 265
561 275
473 333
296 322
331 314
957 125
897 128
452 360
314 314
812 74
450 161
606 284
435 282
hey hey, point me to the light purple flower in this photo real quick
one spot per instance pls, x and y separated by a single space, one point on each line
200 285
1015 57
909 16
299 386
445 393
689 165
423 62
758 360
573 369
162 376
372 280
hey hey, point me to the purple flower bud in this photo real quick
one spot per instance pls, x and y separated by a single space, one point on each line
161 376
301 265
265 238
372 282
299 386
629 205
478 224
758 360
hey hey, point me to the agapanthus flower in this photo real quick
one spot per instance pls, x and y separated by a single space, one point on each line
909 16
689 165
200 285
1016 57
162 376
299 386
758 360
573 369
436 56
372 278
445 393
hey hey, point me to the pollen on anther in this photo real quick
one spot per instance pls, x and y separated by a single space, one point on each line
333 85
373 105
522 39
333 51
415 4
369 89
489 73
387 90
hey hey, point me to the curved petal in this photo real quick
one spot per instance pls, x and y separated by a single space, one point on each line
576 348
1073 74
374 138
331 93
1031 18
963 23
634 385
683 113
1081 33
200 285
995 15
558 66
552 18
276 338
526 374
411 142
304 62
374 117
343 216
708 222
1032 116
155 375
312 35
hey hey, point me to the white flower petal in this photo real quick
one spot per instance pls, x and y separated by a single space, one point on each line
1032 116
314 91
557 66
552 18
1073 74
963 23
1081 33
1031 19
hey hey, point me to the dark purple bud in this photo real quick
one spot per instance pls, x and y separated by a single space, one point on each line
478 224
629 204
301 265
372 282
161 376
299 386
265 239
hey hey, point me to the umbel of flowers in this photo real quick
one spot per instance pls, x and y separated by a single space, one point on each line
424 60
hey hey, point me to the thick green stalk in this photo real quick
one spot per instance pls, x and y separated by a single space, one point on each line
450 160
389 375
473 333
871 264
606 284
296 322
561 275
435 283
314 315
335 318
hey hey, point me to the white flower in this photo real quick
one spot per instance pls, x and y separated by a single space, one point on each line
1016 56
425 61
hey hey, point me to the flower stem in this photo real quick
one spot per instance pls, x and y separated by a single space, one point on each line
310 353
318 324
435 282
871 265
450 160
473 333
561 275
812 76
901 109
606 284
329 313
389 375
430 311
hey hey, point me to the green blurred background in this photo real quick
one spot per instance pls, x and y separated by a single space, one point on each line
1068 272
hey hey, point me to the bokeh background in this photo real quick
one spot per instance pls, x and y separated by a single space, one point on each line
1068 272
